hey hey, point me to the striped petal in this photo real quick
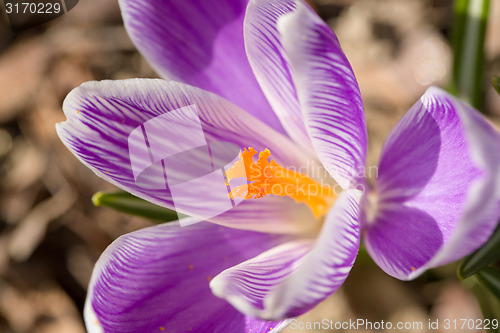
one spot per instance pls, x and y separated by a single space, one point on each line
200 43
292 278
271 64
306 77
157 280
161 141
438 187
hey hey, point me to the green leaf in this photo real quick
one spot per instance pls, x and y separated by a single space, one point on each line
496 83
127 203
483 257
490 279
490 305
468 35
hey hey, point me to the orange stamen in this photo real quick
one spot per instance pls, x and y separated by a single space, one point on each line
269 178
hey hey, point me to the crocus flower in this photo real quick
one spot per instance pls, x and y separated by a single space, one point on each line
269 76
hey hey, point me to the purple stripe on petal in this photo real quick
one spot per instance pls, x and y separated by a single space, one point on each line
103 115
199 43
271 65
157 279
438 197
293 277
327 92
247 285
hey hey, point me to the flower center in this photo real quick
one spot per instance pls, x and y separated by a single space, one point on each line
269 178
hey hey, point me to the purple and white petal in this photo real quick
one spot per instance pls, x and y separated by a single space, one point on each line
278 215
271 65
157 279
306 77
145 136
293 277
402 238
438 195
199 43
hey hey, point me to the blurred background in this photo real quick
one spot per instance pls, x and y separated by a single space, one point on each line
51 234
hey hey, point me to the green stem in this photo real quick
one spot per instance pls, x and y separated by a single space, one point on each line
495 80
468 37
127 203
